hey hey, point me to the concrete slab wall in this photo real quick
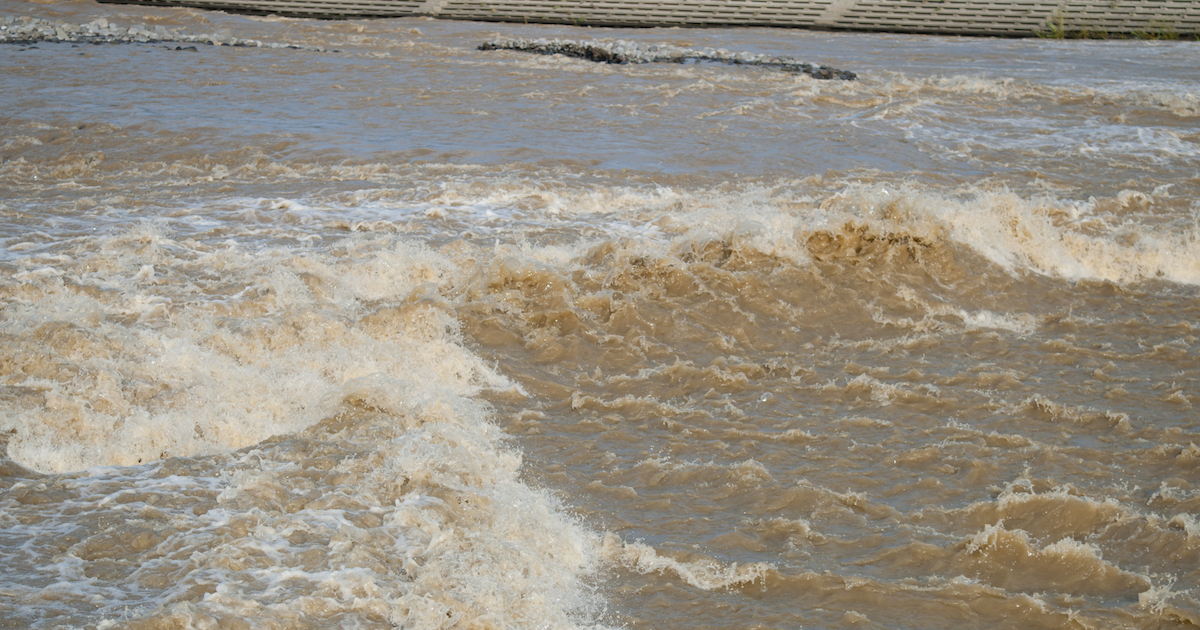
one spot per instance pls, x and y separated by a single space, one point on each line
1012 18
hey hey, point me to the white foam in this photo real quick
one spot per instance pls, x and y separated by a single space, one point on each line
704 574
1039 235
431 524
1022 323
184 379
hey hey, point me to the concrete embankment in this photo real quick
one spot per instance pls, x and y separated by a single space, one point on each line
1011 18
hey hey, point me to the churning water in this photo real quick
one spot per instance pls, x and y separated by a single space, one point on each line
408 334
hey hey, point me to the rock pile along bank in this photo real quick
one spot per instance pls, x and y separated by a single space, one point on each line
623 52
30 30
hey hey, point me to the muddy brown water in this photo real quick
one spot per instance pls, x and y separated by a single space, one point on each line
415 335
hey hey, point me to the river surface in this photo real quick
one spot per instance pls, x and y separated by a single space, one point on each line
408 334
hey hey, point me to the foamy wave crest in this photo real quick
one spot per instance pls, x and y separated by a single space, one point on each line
1179 100
413 516
147 347
702 573
1075 241
371 486
1011 560
1186 104
1121 239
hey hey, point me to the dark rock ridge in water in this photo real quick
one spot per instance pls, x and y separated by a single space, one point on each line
28 30
623 52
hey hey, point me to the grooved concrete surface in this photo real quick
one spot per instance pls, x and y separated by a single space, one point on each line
945 17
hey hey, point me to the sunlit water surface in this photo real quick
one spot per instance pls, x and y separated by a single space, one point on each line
406 334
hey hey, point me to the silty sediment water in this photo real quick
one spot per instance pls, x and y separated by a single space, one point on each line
418 335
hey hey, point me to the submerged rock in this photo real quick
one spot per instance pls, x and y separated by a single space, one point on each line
624 52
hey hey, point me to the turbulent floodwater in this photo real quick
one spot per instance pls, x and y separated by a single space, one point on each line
415 335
